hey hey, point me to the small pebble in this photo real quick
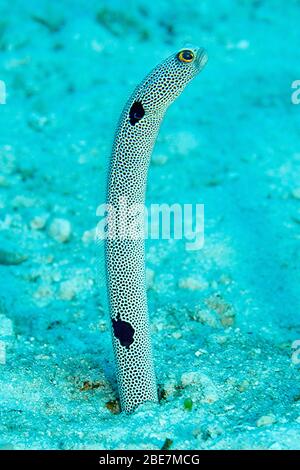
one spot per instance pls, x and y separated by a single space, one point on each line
208 390
265 420
11 257
222 308
42 357
214 430
177 335
43 295
220 339
88 236
60 230
38 222
191 283
205 317
67 290
243 386
200 352
170 387
229 407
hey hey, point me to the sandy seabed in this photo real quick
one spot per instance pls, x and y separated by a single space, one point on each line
224 318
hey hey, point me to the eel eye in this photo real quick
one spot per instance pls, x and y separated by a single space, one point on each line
185 56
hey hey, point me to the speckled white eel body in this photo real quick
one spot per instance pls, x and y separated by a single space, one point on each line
125 258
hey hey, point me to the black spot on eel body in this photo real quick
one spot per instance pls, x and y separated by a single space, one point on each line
124 331
136 112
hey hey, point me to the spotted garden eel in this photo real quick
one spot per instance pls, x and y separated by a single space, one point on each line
125 258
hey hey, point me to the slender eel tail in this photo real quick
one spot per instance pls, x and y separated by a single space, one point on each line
124 248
